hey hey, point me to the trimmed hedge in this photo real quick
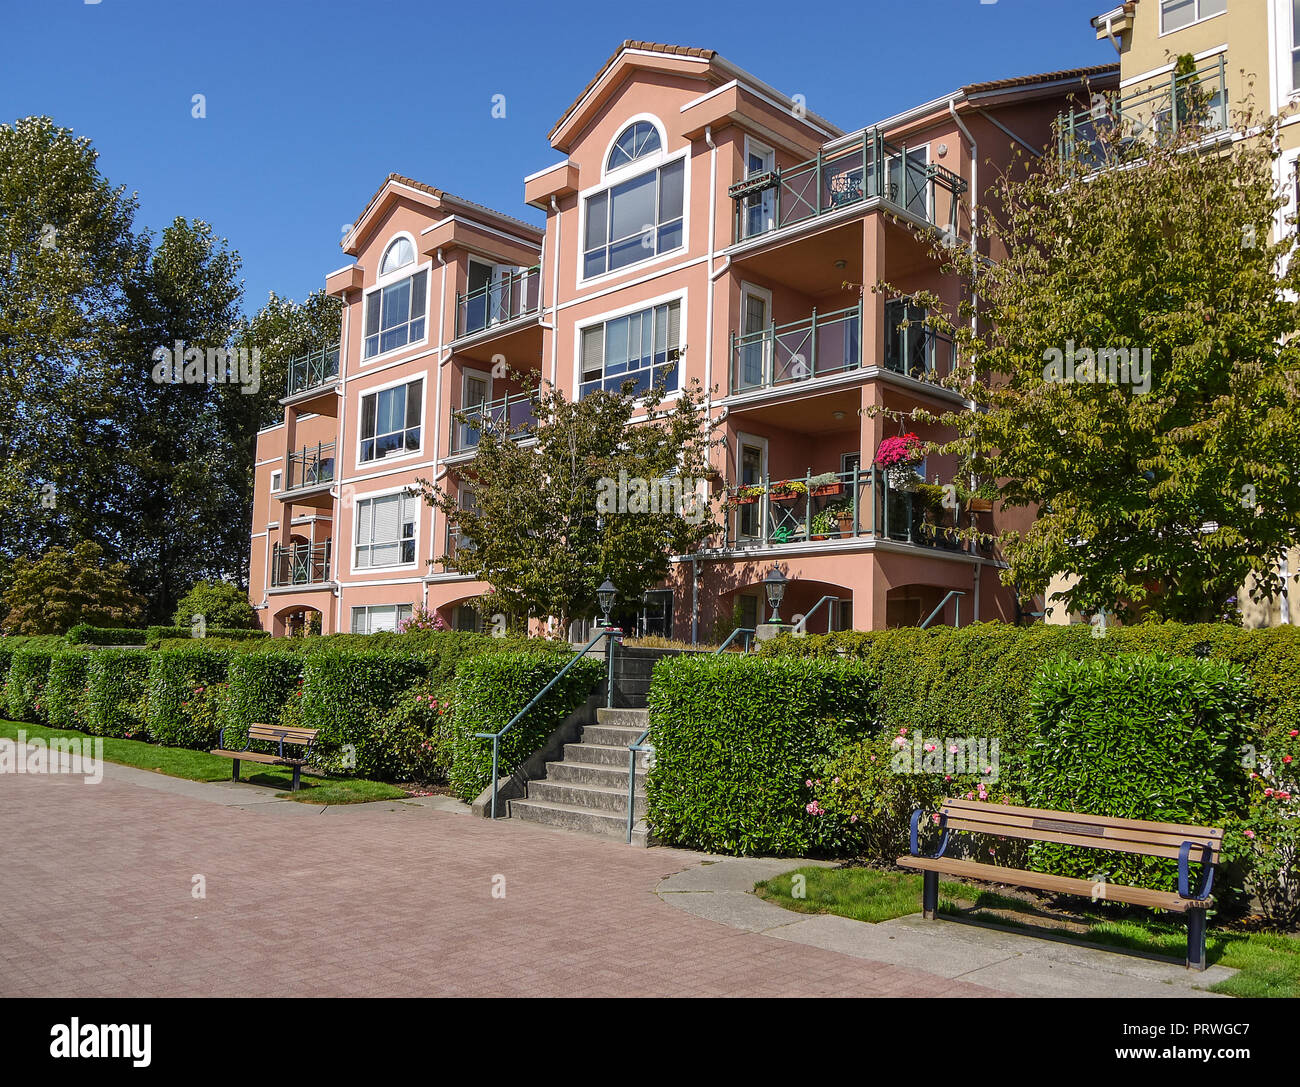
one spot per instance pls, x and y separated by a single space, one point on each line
175 716
735 740
117 681
258 687
490 689
65 690
1137 737
155 635
29 670
85 634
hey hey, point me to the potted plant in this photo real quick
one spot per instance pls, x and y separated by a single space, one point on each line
841 514
822 525
826 485
745 496
787 490
981 499
896 456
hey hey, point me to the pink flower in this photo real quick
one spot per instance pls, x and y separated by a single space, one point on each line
853 818
1250 834
1295 732
929 747
902 731
1286 758
953 749
1283 795
1268 792
899 741
808 783
970 796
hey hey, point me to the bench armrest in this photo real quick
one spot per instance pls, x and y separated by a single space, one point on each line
1184 876
917 816
221 737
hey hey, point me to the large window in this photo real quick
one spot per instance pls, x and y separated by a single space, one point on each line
376 617
641 347
635 220
395 314
390 421
1176 14
385 534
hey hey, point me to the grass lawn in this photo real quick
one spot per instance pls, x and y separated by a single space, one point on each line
1269 964
181 762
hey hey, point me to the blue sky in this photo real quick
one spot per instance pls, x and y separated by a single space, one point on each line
311 103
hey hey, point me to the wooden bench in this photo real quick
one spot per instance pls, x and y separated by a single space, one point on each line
1189 845
275 734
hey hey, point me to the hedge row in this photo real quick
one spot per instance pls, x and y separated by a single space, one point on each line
85 634
154 636
736 739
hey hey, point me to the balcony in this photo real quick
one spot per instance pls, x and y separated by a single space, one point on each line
300 564
509 414
827 344
500 302
868 168
842 506
310 468
312 370
1116 128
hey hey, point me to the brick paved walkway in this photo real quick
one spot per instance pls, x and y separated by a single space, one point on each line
95 897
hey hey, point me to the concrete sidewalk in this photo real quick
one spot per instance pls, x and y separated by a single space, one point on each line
1013 962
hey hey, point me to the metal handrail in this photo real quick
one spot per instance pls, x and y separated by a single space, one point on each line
802 625
500 412
748 632
311 561
958 593
504 300
314 368
495 737
312 462
789 353
633 749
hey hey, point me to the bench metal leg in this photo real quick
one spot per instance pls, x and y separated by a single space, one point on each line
234 774
929 895
296 770
1196 940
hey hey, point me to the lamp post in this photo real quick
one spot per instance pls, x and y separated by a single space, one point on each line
775 583
605 597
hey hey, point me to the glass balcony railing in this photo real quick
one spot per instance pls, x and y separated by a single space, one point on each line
859 503
311 466
312 369
300 564
852 173
505 299
1118 126
508 414
831 343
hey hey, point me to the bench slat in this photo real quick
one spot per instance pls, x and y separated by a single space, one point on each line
257 756
1078 832
275 734
1188 831
1042 881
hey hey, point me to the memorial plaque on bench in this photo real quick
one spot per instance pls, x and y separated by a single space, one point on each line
1089 829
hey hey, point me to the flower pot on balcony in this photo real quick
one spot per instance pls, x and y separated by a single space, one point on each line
744 501
846 525
830 490
784 496
980 505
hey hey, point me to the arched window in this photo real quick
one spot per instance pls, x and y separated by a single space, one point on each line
400 254
639 139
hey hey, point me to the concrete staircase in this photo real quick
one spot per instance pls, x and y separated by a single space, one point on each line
586 790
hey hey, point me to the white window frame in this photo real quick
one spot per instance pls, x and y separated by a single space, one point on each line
353 545
637 307
366 609
407 271
757 147
765 472
277 479
1197 17
361 414
747 289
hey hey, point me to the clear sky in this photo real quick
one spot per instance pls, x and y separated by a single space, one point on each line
312 103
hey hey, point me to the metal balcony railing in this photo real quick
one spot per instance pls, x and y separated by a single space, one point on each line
505 299
1118 126
311 466
314 368
864 168
856 504
509 413
300 564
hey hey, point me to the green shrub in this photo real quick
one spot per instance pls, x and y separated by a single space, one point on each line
1137 737
737 740
29 670
1267 841
259 686
116 685
178 714
85 634
411 742
65 690
490 689
156 636
221 605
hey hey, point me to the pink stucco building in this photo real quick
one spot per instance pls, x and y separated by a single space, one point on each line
699 224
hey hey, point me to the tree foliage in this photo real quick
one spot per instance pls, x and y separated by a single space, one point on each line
222 605
53 593
1163 493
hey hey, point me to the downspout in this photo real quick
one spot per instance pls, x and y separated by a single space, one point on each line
974 243
437 407
1111 35
555 290
708 350
337 490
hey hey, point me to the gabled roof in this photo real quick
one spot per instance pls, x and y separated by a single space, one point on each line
1094 71
526 231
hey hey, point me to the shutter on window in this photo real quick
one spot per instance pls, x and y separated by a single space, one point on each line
372 312
593 352
674 328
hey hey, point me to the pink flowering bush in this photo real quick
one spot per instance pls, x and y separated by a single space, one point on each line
901 449
412 741
422 619
1267 841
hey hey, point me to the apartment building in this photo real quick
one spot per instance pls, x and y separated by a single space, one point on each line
699 224
1246 58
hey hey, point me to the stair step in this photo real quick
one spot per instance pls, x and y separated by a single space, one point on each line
592 797
610 735
601 824
638 719
580 773
601 755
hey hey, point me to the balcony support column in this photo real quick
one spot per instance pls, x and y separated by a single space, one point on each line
873 303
